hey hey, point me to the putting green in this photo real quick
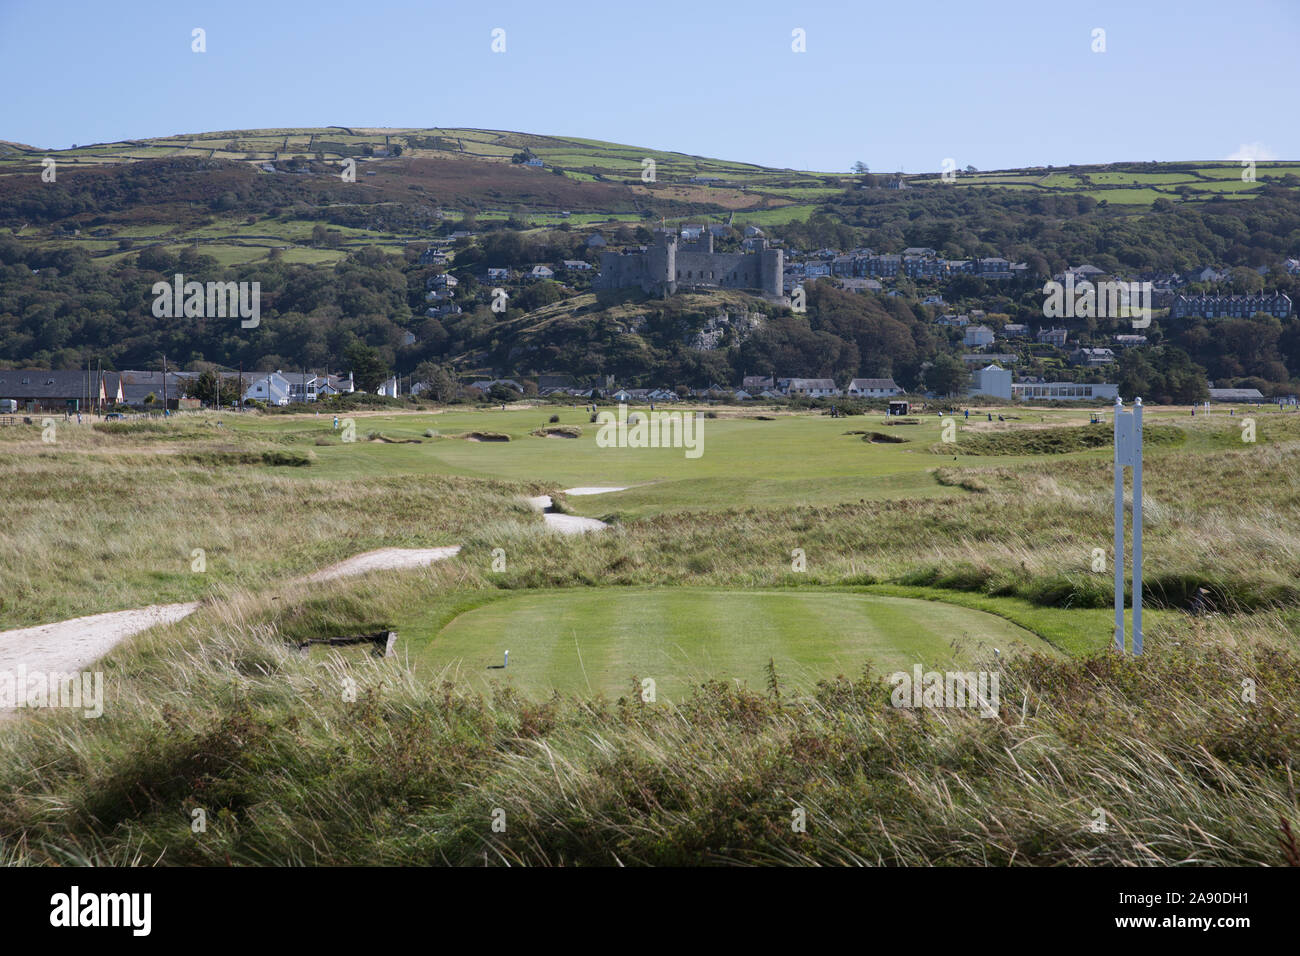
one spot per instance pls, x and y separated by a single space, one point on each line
598 639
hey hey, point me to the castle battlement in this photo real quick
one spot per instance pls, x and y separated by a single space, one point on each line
669 265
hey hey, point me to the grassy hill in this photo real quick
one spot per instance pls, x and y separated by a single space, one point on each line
201 187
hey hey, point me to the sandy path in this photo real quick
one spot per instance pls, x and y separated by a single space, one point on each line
75 644
564 524
385 559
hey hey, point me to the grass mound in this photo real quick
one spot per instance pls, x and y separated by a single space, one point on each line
559 431
381 437
1053 441
275 457
153 430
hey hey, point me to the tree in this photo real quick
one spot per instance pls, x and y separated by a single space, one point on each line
205 388
947 376
860 168
442 385
369 370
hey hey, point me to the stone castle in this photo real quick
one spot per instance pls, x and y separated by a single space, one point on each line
669 265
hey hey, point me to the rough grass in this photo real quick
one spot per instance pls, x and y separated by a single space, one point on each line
289 770
91 527
1053 441
220 713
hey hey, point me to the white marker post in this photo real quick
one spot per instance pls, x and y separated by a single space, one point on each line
507 661
1128 452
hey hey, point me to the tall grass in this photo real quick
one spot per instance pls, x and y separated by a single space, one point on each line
231 721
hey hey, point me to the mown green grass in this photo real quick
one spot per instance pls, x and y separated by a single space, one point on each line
804 448
590 640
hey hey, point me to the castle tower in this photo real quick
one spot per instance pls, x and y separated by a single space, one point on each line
661 265
772 272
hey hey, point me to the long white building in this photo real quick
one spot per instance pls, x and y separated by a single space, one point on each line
1063 391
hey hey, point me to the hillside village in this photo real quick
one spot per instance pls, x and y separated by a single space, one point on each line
992 348
990 345
700 289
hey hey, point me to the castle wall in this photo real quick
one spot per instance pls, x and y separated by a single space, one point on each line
668 265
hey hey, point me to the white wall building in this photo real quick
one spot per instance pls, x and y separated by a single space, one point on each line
1063 391
991 380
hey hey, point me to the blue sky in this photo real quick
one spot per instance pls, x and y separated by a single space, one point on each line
897 85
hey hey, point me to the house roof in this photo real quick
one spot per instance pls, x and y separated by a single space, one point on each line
43 383
861 383
812 383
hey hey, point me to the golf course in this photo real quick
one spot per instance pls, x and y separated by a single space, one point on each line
733 616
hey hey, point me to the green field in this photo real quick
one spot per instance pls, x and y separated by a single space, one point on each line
788 461
594 640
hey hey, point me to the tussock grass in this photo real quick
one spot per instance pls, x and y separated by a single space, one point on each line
1053 441
220 712
225 718
92 531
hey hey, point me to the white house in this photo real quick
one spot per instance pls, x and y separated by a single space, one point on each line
873 388
271 388
812 387
541 272
977 336
991 380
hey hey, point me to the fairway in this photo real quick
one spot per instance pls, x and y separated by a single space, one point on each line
784 461
597 640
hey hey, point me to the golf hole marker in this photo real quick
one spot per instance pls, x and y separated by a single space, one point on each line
1128 453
